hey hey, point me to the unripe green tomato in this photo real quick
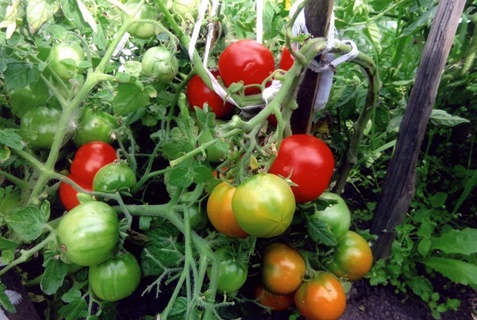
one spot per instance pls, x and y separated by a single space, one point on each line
160 63
23 100
141 30
64 59
95 125
336 216
39 127
114 177
115 278
89 233
187 9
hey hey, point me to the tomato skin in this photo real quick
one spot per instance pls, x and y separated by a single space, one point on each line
95 125
160 63
286 60
283 268
247 61
199 94
352 258
232 272
220 213
68 194
114 177
115 278
264 205
337 216
308 162
64 59
89 233
277 302
147 12
321 298
39 127
91 157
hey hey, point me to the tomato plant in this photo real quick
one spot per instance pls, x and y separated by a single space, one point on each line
352 257
91 157
308 162
114 177
68 194
64 59
232 272
337 216
321 297
25 99
276 302
160 63
89 233
39 127
246 61
115 278
198 94
283 268
95 125
263 205
220 212
140 29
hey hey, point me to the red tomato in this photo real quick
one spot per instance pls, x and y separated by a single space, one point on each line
308 162
198 94
247 61
286 60
276 302
321 298
91 157
68 194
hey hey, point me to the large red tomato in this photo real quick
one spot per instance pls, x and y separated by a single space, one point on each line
198 94
286 60
91 157
247 61
309 164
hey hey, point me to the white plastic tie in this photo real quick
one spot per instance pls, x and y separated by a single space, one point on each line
210 31
271 91
259 21
219 89
299 27
197 26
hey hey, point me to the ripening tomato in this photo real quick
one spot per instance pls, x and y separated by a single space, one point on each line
91 157
283 268
336 216
264 205
68 194
309 164
198 94
352 257
276 302
232 272
114 177
219 211
286 60
89 233
246 61
321 298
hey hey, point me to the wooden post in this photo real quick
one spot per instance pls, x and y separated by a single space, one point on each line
399 184
318 15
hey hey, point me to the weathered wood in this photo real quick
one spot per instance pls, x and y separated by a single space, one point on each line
318 15
399 185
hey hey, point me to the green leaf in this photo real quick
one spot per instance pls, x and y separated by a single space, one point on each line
422 287
180 310
424 247
443 119
53 276
456 270
423 20
468 187
77 309
40 11
6 244
180 177
5 301
20 74
28 222
129 98
74 293
201 174
373 33
457 241
320 232
10 138
76 12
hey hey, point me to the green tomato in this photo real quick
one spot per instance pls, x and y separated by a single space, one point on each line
89 233
216 152
198 218
232 272
187 9
336 216
114 177
264 205
160 63
25 99
64 59
115 278
95 125
141 30
39 126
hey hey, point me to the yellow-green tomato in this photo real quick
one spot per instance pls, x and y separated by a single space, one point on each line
115 278
264 205
160 63
114 177
89 233
64 59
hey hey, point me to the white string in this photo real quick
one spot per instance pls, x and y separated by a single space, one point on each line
259 21
210 31
195 33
